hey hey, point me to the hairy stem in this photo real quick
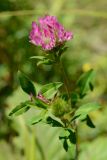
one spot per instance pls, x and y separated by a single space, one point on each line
77 147
66 82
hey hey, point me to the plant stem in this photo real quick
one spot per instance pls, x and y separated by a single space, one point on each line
77 147
66 82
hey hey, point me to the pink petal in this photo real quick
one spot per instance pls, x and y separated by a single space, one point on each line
48 33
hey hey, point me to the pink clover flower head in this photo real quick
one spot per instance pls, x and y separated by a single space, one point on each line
48 33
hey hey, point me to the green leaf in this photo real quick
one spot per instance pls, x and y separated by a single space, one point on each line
68 134
65 145
21 108
74 98
72 136
64 134
53 122
49 90
84 82
40 104
45 61
37 57
91 86
82 112
65 97
26 84
68 137
89 122
62 50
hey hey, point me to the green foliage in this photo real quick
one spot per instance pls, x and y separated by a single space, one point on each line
58 105
40 104
62 50
65 144
53 122
84 83
89 122
26 84
49 90
43 60
66 136
74 98
82 112
25 106
38 57
21 108
72 136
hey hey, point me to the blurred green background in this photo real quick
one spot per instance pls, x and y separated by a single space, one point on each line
87 19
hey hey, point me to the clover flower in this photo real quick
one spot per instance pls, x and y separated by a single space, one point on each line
48 33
